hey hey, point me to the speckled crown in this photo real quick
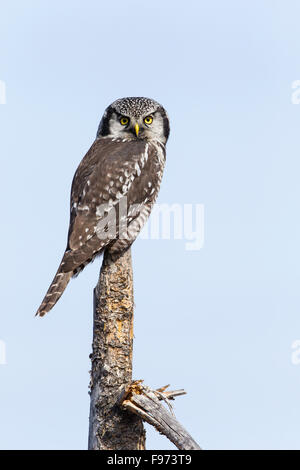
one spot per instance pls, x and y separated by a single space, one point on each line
135 106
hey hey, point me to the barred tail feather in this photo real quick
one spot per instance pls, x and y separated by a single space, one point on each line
54 292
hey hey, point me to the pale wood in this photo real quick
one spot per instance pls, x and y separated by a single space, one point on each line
147 404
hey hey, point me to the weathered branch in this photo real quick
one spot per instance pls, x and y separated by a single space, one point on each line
112 427
146 403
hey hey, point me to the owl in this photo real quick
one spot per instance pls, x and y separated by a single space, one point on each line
114 187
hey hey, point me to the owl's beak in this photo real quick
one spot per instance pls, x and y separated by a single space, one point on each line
137 128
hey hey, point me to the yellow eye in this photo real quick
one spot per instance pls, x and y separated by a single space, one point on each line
148 120
124 121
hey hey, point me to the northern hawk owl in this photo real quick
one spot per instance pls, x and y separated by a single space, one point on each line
114 187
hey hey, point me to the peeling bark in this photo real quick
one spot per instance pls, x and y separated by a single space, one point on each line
111 426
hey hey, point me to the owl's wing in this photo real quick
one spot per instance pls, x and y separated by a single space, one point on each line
104 176
110 170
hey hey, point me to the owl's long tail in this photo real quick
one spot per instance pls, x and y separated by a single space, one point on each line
72 263
54 292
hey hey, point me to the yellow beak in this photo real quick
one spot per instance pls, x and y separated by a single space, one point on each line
137 128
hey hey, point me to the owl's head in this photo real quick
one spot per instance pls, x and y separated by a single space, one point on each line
135 118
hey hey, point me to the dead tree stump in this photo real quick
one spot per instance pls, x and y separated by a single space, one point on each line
111 427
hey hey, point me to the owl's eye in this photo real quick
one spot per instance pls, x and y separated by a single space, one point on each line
124 121
148 120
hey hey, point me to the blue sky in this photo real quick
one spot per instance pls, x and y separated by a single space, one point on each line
220 321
